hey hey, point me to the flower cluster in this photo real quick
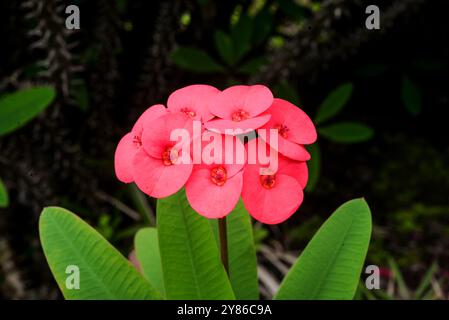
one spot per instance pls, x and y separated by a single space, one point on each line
220 146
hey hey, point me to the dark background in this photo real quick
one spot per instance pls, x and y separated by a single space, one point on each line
123 59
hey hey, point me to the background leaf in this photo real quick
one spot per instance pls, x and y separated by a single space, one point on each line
147 252
190 260
252 66
285 91
314 166
81 93
404 291
334 103
294 10
104 272
411 96
223 43
18 108
330 265
4 198
263 24
347 132
195 60
426 281
241 36
242 254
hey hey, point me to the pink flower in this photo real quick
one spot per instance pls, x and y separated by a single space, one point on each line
194 101
132 142
170 148
273 198
294 129
239 107
162 166
214 187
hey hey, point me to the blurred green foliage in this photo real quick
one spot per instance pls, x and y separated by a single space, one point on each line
20 107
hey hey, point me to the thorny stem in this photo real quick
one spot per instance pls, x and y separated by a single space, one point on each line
222 230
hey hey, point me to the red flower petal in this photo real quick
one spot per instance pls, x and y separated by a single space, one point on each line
149 115
294 169
155 178
287 166
156 133
252 99
124 154
232 155
300 128
210 200
270 206
193 100
245 126
287 148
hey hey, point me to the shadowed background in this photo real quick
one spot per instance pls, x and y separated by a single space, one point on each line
386 143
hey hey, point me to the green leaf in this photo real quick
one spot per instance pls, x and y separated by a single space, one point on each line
263 23
147 252
411 96
18 108
347 132
426 281
252 66
190 259
4 198
195 60
287 92
334 103
330 265
294 10
404 291
140 201
241 36
314 166
242 254
223 43
80 93
104 272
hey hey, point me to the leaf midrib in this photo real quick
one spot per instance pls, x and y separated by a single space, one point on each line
70 244
192 263
334 257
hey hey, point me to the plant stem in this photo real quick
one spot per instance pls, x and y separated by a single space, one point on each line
222 230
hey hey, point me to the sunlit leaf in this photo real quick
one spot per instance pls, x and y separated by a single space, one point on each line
147 252
331 264
195 60
18 108
334 103
347 132
104 272
190 259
